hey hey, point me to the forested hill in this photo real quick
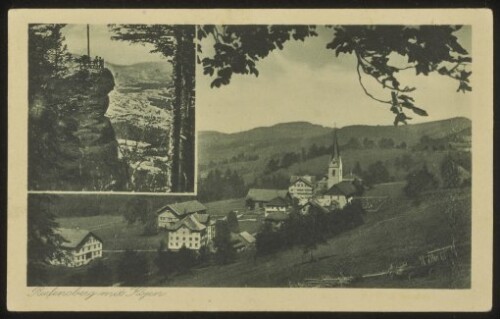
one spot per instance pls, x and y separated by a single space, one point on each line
147 73
288 137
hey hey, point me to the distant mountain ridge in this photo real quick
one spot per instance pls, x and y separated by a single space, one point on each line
221 151
294 135
159 73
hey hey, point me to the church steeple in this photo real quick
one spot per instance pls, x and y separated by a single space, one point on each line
336 149
335 165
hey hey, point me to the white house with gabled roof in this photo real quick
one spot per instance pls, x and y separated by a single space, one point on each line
189 233
78 248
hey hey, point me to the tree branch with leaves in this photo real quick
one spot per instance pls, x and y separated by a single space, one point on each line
378 49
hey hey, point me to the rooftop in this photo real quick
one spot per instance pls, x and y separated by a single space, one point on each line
265 195
190 222
308 180
344 188
278 201
277 216
74 237
184 208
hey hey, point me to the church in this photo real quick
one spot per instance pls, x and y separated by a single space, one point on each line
332 191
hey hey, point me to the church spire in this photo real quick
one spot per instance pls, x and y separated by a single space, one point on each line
336 149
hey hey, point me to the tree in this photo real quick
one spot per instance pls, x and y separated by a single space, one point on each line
357 169
367 143
272 165
419 181
165 261
353 144
313 231
151 224
425 49
376 173
132 268
47 59
268 240
98 274
186 259
313 151
217 186
352 214
386 143
225 252
176 43
139 210
44 242
48 55
450 172
232 222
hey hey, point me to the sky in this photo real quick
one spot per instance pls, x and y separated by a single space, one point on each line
302 82
116 52
306 82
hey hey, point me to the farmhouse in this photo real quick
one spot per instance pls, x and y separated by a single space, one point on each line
338 195
170 214
258 197
79 247
277 204
190 233
301 187
304 209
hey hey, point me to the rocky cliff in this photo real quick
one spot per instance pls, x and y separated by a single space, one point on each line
72 144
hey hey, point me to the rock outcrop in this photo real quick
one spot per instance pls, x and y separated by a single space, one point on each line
72 144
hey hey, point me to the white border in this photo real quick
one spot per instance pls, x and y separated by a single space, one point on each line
477 298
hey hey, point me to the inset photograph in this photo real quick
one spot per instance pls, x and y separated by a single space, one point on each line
111 108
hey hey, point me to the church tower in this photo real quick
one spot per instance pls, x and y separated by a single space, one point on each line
335 166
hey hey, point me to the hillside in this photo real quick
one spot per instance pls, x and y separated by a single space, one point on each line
147 73
399 232
130 101
216 148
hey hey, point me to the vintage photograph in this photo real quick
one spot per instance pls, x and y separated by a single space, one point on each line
329 156
111 108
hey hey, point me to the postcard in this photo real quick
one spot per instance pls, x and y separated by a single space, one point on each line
250 160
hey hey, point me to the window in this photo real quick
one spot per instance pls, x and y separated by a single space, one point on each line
333 172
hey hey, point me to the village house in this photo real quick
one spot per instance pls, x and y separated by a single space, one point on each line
241 241
187 225
338 195
79 247
304 209
301 187
170 214
277 204
258 198
190 233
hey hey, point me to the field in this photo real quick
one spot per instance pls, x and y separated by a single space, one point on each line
222 207
117 235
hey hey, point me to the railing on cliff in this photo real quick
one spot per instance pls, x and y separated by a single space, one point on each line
87 63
